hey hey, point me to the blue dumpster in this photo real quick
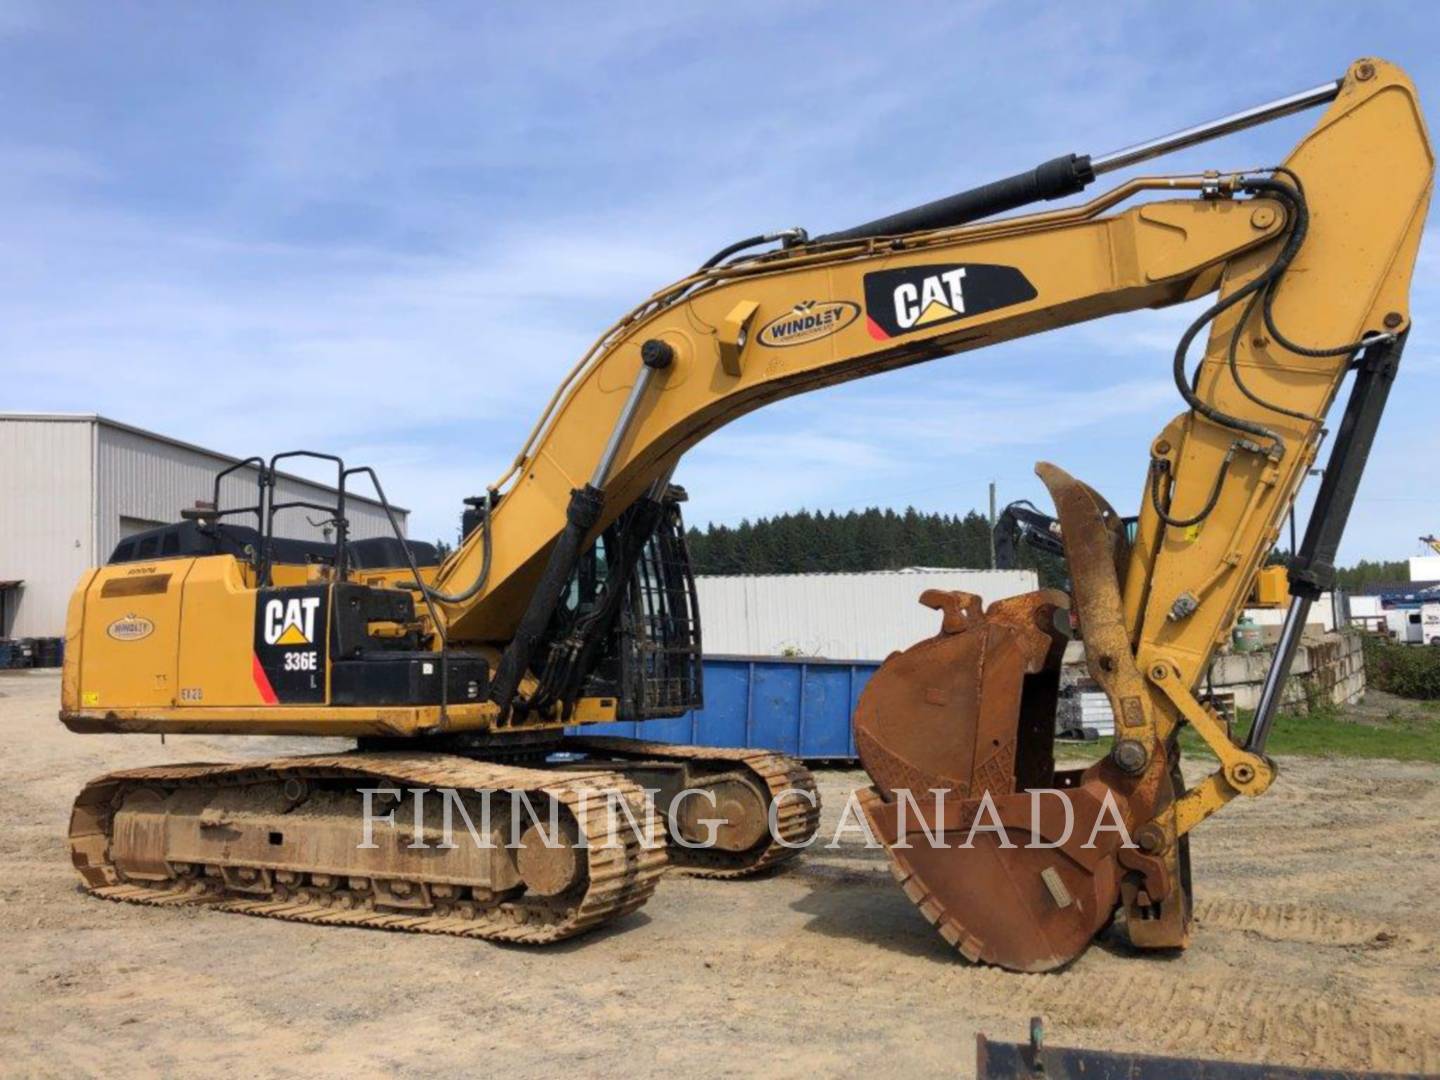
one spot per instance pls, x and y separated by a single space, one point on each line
799 705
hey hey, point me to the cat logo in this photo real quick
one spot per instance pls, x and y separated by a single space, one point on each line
938 297
291 622
809 320
919 297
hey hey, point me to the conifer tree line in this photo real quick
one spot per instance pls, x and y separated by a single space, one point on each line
1366 573
875 539
858 540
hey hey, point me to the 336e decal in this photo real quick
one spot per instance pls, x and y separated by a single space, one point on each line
920 297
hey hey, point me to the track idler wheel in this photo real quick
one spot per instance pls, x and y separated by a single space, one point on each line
955 732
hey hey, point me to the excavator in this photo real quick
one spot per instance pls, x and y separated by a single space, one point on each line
570 600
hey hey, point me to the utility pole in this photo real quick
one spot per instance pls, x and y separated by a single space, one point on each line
992 524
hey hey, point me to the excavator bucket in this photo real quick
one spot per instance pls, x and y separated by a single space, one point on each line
1015 863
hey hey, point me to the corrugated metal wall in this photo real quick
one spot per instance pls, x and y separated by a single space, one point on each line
152 480
839 616
66 483
46 529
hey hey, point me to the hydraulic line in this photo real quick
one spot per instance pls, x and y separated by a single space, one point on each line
1260 292
1183 383
1256 290
484 574
1235 337
1296 198
795 235
1160 466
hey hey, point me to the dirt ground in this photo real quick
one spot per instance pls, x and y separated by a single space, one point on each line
1317 943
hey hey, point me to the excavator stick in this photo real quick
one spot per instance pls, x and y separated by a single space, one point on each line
1017 863
1020 864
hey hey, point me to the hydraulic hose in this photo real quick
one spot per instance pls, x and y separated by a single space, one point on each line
1260 292
1160 466
484 574
1235 337
1296 200
1187 385
796 235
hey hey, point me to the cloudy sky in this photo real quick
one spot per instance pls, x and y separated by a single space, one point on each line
387 230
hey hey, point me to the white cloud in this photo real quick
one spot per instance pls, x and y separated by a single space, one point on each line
390 231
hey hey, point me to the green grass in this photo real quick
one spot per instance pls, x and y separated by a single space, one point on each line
1408 734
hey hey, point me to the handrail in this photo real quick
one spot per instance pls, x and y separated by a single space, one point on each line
419 584
342 524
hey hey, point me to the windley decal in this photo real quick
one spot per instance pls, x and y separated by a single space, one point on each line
807 321
920 297
131 628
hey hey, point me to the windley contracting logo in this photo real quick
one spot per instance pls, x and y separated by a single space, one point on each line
809 320
920 297
130 628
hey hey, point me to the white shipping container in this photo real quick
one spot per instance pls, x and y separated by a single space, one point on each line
1425 568
1366 607
836 616
1095 712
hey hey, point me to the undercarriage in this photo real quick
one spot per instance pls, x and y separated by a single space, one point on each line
440 843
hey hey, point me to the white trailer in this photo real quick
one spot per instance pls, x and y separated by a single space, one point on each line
1430 622
1409 624
1405 624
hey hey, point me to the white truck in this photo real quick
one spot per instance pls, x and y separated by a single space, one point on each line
1430 622
1415 626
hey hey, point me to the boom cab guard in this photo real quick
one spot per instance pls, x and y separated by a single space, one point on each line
628 624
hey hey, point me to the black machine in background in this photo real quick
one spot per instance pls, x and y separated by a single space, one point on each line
1022 522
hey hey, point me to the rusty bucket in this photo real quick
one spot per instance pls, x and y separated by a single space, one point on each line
1014 862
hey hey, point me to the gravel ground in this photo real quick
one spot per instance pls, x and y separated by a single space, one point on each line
1317 943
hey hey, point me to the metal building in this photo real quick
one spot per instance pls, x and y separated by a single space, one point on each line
838 616
73 485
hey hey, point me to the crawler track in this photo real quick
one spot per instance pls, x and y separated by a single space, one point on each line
620 869
797 817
